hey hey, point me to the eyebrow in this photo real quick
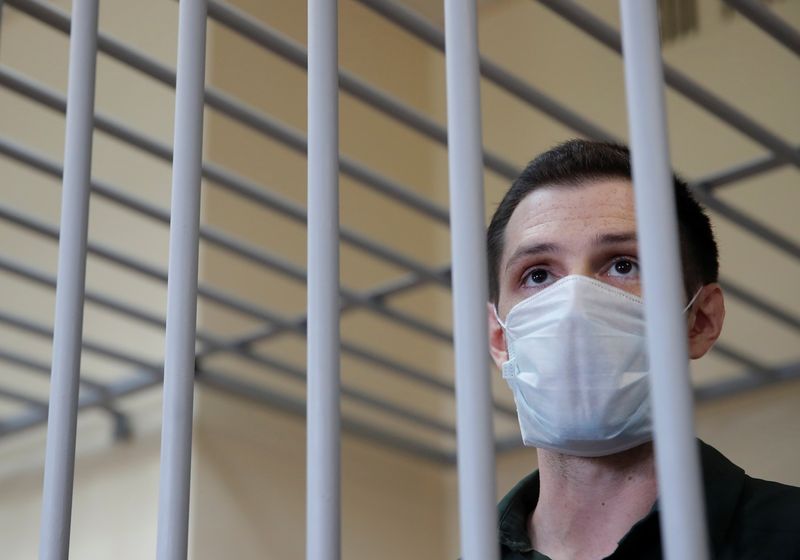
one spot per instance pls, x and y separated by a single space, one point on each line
614 238
532 250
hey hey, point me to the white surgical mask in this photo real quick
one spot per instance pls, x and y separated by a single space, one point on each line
577 365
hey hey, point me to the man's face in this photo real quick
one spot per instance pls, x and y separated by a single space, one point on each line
561 230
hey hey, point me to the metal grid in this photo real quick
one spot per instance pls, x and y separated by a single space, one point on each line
145 373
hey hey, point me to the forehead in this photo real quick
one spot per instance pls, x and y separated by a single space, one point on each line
570 214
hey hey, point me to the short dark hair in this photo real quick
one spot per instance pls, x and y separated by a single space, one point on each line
577 162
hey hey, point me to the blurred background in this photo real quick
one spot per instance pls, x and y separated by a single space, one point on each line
399 478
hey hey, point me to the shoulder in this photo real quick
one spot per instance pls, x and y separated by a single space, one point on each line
749 517
770 506
767 521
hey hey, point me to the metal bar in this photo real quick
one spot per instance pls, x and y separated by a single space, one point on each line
237 110
47 332
740 172
120 419
323 424
59 465
475 434
759 303
93 400
44 369
747 382
291 51
770 22
184 242
424 30
754 366
681 505
758 229
13 395
681 83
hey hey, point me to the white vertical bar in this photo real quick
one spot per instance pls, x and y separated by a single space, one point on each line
323 540
476 476
176 431
683 524
59 464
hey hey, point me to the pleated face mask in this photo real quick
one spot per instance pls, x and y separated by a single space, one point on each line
577 366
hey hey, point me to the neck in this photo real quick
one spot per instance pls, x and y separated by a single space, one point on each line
587 504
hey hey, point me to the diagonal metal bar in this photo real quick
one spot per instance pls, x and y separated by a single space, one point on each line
770 22
293 52
747 383
608 36
758 229
115 391
760 304
13 395
44 369
210 171
236 110
754 367
742 171
121 422
43 331
424 30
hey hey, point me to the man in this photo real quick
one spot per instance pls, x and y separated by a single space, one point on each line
566 327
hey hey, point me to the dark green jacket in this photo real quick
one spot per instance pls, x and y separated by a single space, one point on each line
748 518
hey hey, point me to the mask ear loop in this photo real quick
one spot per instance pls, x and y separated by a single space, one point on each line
496 316
688 305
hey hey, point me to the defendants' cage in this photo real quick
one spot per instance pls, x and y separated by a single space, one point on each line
188 350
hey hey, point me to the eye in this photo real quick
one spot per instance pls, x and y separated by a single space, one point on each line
536 277
625 268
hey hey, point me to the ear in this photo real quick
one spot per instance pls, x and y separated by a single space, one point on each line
705 320
497 339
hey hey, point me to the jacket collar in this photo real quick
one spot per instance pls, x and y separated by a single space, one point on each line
723 482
